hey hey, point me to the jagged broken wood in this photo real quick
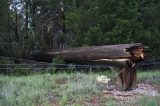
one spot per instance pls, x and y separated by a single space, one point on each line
125 56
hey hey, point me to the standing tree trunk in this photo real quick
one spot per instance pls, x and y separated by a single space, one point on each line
26 18
63 25
77 3
16 26
9 30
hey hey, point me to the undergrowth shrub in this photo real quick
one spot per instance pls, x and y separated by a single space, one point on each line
20 70
80 85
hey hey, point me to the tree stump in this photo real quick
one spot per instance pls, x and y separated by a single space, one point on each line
126 79
125 56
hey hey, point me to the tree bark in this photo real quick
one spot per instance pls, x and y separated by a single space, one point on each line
125 56
126 79
93 53
26 18
16 26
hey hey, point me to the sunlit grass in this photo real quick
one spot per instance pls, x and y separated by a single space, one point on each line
152 76
34 89
148 74
148 101
67 88
25 91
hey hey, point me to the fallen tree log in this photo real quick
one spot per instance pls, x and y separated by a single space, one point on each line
81 54
125 56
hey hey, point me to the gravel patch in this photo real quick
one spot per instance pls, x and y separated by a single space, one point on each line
143 89
127 98
146 89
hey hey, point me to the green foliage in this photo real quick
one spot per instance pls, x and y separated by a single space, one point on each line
25 91
145 101
36 90
94 36
20 70
60 89
152 76
57 60
64 100
86 22
4 60
82 84
148 74
117 21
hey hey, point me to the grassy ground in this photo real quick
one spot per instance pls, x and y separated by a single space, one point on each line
64 89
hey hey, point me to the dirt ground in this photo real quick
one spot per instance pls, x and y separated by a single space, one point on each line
112 97
127 98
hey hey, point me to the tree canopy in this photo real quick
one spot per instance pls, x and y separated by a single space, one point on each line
29 25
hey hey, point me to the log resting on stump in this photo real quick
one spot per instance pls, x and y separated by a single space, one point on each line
125 56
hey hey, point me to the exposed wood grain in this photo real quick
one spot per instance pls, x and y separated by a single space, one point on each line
81 54
124 56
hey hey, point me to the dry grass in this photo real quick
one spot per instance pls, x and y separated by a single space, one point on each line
64 89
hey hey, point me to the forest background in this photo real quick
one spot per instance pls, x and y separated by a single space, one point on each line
30 25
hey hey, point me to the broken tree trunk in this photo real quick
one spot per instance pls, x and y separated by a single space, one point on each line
81 54
126 78
125 56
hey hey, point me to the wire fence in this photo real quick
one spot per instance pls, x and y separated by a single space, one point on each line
28 64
